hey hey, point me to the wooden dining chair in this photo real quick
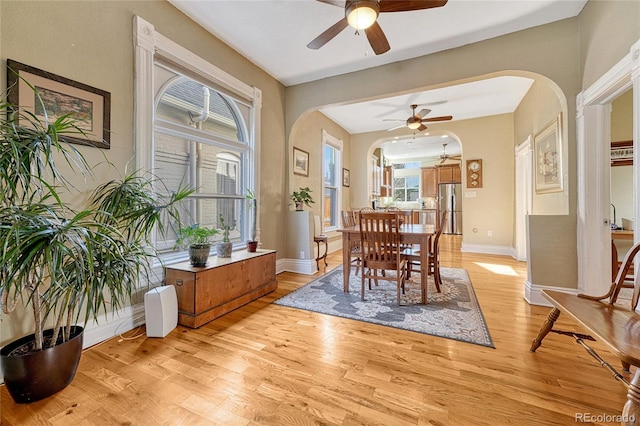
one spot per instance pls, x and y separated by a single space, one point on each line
380 237
355 251
413 256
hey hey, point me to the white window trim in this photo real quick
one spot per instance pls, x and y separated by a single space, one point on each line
336 143
149 45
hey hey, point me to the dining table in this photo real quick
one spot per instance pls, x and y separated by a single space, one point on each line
419 235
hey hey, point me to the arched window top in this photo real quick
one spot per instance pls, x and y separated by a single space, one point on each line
184 101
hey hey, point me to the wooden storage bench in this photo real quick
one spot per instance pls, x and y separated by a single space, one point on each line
225 284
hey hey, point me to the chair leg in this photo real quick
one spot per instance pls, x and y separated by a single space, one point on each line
362 287
436 277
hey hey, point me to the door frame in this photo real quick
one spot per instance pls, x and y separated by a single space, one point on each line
593 122
524 196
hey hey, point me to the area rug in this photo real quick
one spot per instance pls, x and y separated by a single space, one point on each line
454 313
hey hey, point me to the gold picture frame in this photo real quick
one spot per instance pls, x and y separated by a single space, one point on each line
89 106
548 158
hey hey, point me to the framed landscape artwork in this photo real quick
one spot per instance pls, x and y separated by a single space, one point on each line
300 162
548 158
90 107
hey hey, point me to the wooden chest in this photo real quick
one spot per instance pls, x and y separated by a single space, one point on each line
222 286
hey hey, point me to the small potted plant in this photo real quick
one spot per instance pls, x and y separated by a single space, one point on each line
302 197
198 239
252 244
224 248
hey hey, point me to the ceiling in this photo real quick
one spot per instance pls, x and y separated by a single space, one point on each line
273 34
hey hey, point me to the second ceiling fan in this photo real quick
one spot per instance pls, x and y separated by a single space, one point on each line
363 15
417 119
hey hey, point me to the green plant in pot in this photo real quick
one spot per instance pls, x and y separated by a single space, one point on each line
198 239
66 265
252 243
302 197
225 247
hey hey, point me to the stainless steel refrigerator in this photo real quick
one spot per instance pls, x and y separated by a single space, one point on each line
449 195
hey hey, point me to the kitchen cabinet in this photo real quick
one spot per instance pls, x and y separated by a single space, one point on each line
386 187
225 284
449 174
429 182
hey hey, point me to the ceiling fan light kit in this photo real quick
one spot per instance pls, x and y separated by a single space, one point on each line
362 14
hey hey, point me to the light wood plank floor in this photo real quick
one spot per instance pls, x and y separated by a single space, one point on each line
265 364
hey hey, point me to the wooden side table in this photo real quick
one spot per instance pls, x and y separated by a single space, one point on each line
321 239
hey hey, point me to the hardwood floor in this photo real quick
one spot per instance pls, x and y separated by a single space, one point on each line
265 364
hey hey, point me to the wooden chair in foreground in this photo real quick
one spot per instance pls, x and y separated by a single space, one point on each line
614 325
413 256
380 238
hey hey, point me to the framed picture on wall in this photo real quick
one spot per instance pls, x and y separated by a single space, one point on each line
58 96
300 162
346 177
548 158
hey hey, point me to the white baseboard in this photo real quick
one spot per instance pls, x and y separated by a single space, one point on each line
111 325
533 293
488 249
299 266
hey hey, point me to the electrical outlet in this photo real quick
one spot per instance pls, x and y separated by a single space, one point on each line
489 233
301 254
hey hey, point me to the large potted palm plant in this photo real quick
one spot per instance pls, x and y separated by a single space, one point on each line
66 265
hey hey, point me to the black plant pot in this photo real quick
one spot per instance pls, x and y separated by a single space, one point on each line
34 376
199 254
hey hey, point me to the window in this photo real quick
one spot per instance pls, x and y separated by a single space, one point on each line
200 130
406 188
331 181
406 181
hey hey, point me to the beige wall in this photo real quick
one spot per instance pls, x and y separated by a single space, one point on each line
489 138
307 135
622 117
92 42
608 28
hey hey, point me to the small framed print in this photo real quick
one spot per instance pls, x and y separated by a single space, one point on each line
548 158
346 177
300 162
58 96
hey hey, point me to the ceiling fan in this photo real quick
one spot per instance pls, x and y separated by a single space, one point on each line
416 120
444 156
363 15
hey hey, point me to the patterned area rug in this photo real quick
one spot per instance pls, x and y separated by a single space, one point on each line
453 314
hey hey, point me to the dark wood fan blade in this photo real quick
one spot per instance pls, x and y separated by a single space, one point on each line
339 3
442 118
377 39
423 112
329 34
408 5
422 128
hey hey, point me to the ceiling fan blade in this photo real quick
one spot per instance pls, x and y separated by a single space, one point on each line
422 128
397 127
393 119
339 3
329 34
407 5
423 112
442 118
377 39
